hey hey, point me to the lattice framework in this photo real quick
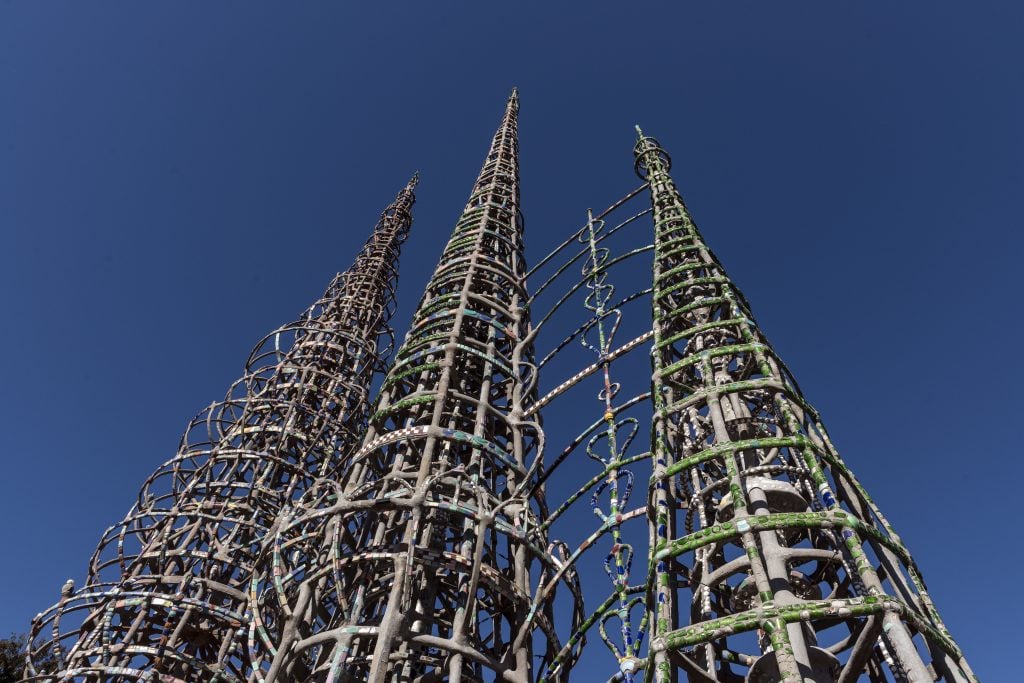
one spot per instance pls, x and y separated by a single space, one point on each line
418 546
167 588
758 525
416 564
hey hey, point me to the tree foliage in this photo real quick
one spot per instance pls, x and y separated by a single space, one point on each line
12 657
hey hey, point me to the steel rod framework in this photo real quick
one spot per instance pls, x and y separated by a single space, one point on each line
298 537
605 441
167 591
416 564
758 527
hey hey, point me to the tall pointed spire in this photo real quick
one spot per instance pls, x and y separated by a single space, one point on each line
425 564
768 556
167 591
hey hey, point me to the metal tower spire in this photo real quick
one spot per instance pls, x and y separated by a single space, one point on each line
767 555
167 592
300 534
423 570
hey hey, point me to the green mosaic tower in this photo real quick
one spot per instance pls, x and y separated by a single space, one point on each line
769 560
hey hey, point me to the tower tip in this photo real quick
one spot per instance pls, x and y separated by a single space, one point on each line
514 97
413 181
639 133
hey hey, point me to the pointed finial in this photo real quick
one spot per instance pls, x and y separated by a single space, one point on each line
515 94
639 133
413 181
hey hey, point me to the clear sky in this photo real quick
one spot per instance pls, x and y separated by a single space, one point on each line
176 179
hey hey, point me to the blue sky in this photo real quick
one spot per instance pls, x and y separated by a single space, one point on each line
176 179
